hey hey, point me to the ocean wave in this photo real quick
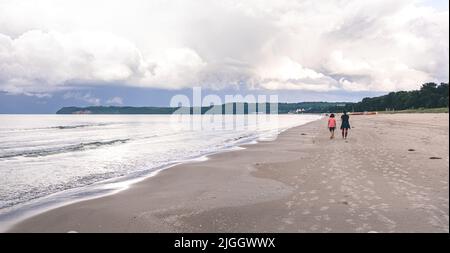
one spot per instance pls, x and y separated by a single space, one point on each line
79 126
65 149
62 127
238 138
11 198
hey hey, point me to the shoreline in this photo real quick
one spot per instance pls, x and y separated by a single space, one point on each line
127 181
283 185
92 192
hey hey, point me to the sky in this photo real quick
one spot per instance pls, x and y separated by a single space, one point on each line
142 52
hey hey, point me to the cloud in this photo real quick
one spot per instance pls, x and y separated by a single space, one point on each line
87 97
375 45
38 61
115 101
286 74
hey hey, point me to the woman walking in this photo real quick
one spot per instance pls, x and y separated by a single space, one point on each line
345 125
332 125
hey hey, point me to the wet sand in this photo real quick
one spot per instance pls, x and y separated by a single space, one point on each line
391 175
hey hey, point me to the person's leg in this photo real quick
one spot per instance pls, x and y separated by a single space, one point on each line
332 133
346 132
343 129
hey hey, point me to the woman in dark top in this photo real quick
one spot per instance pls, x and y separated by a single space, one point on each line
345 125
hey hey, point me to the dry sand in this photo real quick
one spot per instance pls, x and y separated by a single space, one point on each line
301 182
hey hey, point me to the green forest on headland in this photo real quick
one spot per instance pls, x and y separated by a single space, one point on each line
431 97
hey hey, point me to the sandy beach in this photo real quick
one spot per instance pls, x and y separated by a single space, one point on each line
391 175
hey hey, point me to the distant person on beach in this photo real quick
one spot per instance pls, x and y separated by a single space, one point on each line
345 125
332 125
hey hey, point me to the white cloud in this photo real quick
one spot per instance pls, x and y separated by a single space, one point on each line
87 97
302 45
115 101
285 69
286 74
39 61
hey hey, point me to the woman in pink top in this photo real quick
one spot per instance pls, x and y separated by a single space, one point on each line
332 125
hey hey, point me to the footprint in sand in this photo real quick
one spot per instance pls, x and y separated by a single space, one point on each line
288 221
324 208
350 221
314 227
290 204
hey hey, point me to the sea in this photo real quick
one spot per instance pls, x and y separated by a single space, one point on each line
48 161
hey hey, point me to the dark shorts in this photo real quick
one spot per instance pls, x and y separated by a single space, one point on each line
345 125
332 128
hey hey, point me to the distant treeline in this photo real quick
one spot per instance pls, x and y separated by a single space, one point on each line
115 110
231 108
430 95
